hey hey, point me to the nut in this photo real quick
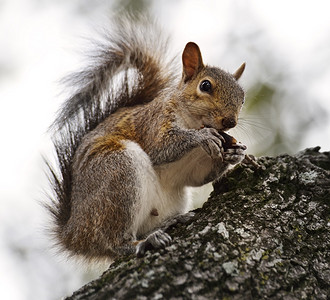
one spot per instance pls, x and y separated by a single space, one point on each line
230 142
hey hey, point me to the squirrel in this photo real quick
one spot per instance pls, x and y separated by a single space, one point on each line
132 137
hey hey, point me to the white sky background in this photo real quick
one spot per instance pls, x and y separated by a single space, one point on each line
38 45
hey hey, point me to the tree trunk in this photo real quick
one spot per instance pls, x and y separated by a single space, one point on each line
263 234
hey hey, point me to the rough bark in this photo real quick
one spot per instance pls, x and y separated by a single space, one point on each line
263 234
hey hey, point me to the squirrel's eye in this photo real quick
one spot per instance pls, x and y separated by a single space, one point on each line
205 86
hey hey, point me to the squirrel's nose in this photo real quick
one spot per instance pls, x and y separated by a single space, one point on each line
229 122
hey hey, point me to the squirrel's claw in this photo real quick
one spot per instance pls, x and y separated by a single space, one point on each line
157 239
234 156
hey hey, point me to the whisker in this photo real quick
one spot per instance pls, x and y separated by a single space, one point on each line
253 129
255 125
258 125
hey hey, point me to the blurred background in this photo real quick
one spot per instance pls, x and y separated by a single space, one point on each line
285 44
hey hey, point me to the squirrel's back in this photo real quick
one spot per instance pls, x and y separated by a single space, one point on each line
129 68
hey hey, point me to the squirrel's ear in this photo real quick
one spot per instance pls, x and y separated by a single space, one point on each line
192 61
238 73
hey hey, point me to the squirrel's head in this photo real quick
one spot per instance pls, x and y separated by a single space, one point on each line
211 96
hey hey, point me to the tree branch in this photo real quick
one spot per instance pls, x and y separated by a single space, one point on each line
263 234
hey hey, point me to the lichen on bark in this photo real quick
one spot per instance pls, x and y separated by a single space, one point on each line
263 234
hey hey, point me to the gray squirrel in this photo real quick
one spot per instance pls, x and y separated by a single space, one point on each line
132 137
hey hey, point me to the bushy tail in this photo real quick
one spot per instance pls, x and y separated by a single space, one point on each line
128 69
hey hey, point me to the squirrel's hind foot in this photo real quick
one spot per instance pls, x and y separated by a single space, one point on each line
155 240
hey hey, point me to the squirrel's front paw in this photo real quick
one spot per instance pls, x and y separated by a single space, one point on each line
211 141
235 155
157 239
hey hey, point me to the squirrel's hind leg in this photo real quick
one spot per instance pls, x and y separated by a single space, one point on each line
105 204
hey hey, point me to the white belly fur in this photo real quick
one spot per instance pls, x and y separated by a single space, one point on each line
164 188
